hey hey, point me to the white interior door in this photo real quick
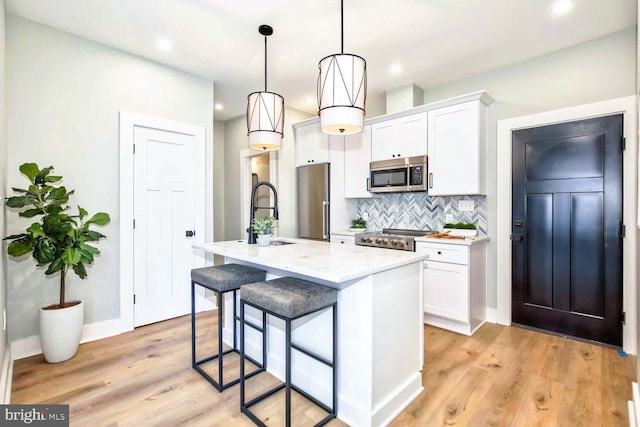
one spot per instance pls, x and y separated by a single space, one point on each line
165 184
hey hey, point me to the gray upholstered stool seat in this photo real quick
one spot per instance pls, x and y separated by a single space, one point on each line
221 279
226 277
289 298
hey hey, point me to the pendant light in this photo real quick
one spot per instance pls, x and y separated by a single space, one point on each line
265 111
342 90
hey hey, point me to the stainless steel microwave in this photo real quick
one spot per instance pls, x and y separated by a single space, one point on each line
398 175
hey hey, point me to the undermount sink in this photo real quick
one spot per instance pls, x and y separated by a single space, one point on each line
279 243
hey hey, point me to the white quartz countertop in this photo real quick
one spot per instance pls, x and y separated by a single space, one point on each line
322 260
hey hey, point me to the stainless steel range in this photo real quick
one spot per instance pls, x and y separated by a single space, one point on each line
391 238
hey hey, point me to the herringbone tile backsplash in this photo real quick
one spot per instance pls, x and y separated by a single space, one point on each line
418 211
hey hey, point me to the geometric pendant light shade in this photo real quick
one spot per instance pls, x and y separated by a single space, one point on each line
265 111
342 90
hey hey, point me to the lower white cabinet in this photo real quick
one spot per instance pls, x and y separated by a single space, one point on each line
454 285
344 239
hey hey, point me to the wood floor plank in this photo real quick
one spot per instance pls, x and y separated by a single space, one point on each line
501 376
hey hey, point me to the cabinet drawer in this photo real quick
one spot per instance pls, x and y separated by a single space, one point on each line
444 253
345 240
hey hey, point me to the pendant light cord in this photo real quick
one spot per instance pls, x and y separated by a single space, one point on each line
265 63
341 26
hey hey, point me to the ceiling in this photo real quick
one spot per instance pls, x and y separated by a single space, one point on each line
435 41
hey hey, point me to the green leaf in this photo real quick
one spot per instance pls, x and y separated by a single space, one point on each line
20 201
35 230
55 266
30 213
93 235
100 218
16 236
43 253
19 190
52 178
71 256
80 270
88 248
81 212
58 194
55 228
43 174
31 170
53 209
86 256
20 247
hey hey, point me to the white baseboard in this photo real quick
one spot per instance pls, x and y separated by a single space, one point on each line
30 346
492 315
634 406
6 377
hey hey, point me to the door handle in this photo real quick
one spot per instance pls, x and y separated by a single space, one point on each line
430 180
325 205
368 184
517 237
190 233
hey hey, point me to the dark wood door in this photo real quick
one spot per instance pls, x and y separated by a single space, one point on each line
566 228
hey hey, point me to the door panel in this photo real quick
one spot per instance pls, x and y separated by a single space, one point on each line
164 182
567 211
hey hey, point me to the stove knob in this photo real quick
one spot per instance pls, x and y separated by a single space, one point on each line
385 241
394 242
378 241
369 240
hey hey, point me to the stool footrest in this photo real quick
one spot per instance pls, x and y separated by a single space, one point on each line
215 356
250 324
315 356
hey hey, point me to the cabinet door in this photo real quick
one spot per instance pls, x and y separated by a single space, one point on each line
456 150
446 290
343 240
312 145
383 142
411 135
357 155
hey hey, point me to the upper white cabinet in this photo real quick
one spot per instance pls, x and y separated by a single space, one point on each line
357 155
400 137
312 145
457 152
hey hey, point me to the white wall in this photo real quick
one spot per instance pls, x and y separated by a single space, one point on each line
235 137
602 69
64 94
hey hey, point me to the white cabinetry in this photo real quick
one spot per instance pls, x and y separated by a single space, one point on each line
454 285
312 145
343 239
400 137
357 156
457 152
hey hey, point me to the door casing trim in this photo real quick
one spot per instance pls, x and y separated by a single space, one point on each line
626 106
127 122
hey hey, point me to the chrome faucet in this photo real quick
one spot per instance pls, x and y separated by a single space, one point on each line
252 236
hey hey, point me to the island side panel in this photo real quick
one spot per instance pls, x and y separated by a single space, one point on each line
398 341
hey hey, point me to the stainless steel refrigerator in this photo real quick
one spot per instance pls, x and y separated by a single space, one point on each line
313 201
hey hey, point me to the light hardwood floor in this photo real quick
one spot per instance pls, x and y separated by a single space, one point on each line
502 376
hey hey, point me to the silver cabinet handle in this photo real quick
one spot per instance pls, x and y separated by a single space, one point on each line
430 180
368 184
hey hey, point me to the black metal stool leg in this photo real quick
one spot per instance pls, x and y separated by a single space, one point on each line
193 324
242 379
219 304
287 362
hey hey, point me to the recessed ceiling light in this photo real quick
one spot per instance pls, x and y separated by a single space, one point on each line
561 7
219 107
396 69
163 45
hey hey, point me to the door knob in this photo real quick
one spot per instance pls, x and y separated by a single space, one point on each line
190 233
517 237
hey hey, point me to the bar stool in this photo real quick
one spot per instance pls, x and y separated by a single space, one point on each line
289 298
222 279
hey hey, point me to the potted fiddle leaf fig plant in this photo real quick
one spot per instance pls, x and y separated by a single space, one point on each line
264 228
59 242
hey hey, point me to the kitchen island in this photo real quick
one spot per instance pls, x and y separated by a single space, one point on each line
380 323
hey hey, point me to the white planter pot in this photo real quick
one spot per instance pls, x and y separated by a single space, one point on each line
461 232
264 239
61 332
